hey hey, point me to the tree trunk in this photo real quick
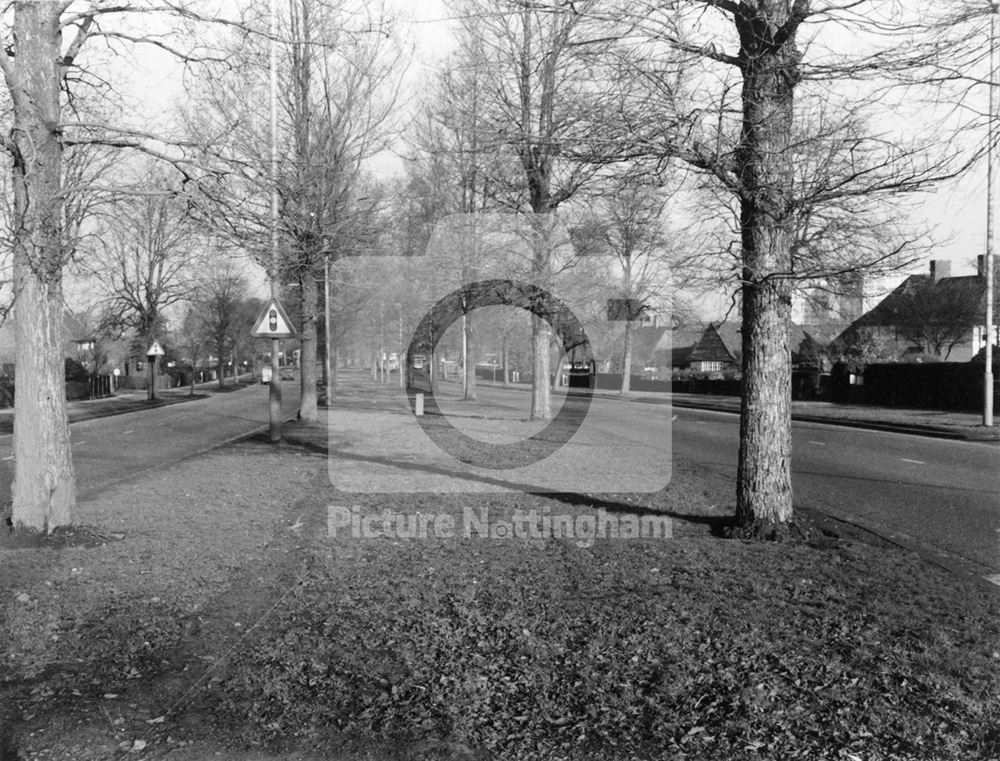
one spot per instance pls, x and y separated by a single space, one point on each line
541 396
221 347
770 72
627 359
541 331
44 489
308 410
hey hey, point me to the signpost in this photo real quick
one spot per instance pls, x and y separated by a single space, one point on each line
154 351
273 323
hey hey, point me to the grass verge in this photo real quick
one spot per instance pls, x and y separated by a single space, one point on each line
227 618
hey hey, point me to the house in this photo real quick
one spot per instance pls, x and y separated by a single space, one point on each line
700 348
928 317
710 354
75 341
709 348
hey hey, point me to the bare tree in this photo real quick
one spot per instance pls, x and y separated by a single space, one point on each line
143 263
219 295
189 338
799 166
546 114
628 225
42 59
338 78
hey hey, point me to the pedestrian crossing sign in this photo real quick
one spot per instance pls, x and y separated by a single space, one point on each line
273 322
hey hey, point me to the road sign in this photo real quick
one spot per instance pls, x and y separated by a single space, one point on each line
273 323
155 350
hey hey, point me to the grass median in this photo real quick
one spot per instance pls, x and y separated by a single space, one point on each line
229 618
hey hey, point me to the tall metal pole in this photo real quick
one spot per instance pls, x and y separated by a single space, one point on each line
990 231
327 368
274 392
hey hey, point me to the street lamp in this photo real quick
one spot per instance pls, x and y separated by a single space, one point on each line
327 366
990 232
274 388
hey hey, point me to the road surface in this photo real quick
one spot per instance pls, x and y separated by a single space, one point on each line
942 495
112 449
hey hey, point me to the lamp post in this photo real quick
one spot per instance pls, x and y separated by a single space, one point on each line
327 366
990 232
274 388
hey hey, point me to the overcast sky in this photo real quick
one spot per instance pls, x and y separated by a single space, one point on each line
957 211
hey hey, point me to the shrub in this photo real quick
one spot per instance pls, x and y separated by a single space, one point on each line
75 371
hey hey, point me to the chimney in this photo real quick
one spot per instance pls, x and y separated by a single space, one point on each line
940 269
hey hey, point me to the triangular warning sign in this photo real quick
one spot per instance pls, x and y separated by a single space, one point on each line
155 350
273 323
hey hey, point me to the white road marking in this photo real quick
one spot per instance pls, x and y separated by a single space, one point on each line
673 418
818 443
124 432
79 442
9 458
915 462
994 579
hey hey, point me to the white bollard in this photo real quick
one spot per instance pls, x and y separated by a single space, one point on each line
420 404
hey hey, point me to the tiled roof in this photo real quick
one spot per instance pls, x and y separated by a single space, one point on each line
966 288
711 348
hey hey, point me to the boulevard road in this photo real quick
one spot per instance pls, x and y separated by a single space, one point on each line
940 494
112 449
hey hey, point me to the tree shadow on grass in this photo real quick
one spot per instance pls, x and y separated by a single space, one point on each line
719 525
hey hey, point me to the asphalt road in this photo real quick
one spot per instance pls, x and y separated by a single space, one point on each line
112 449
940 495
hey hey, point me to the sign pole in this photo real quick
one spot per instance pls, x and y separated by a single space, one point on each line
154 351
273 323
274 394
